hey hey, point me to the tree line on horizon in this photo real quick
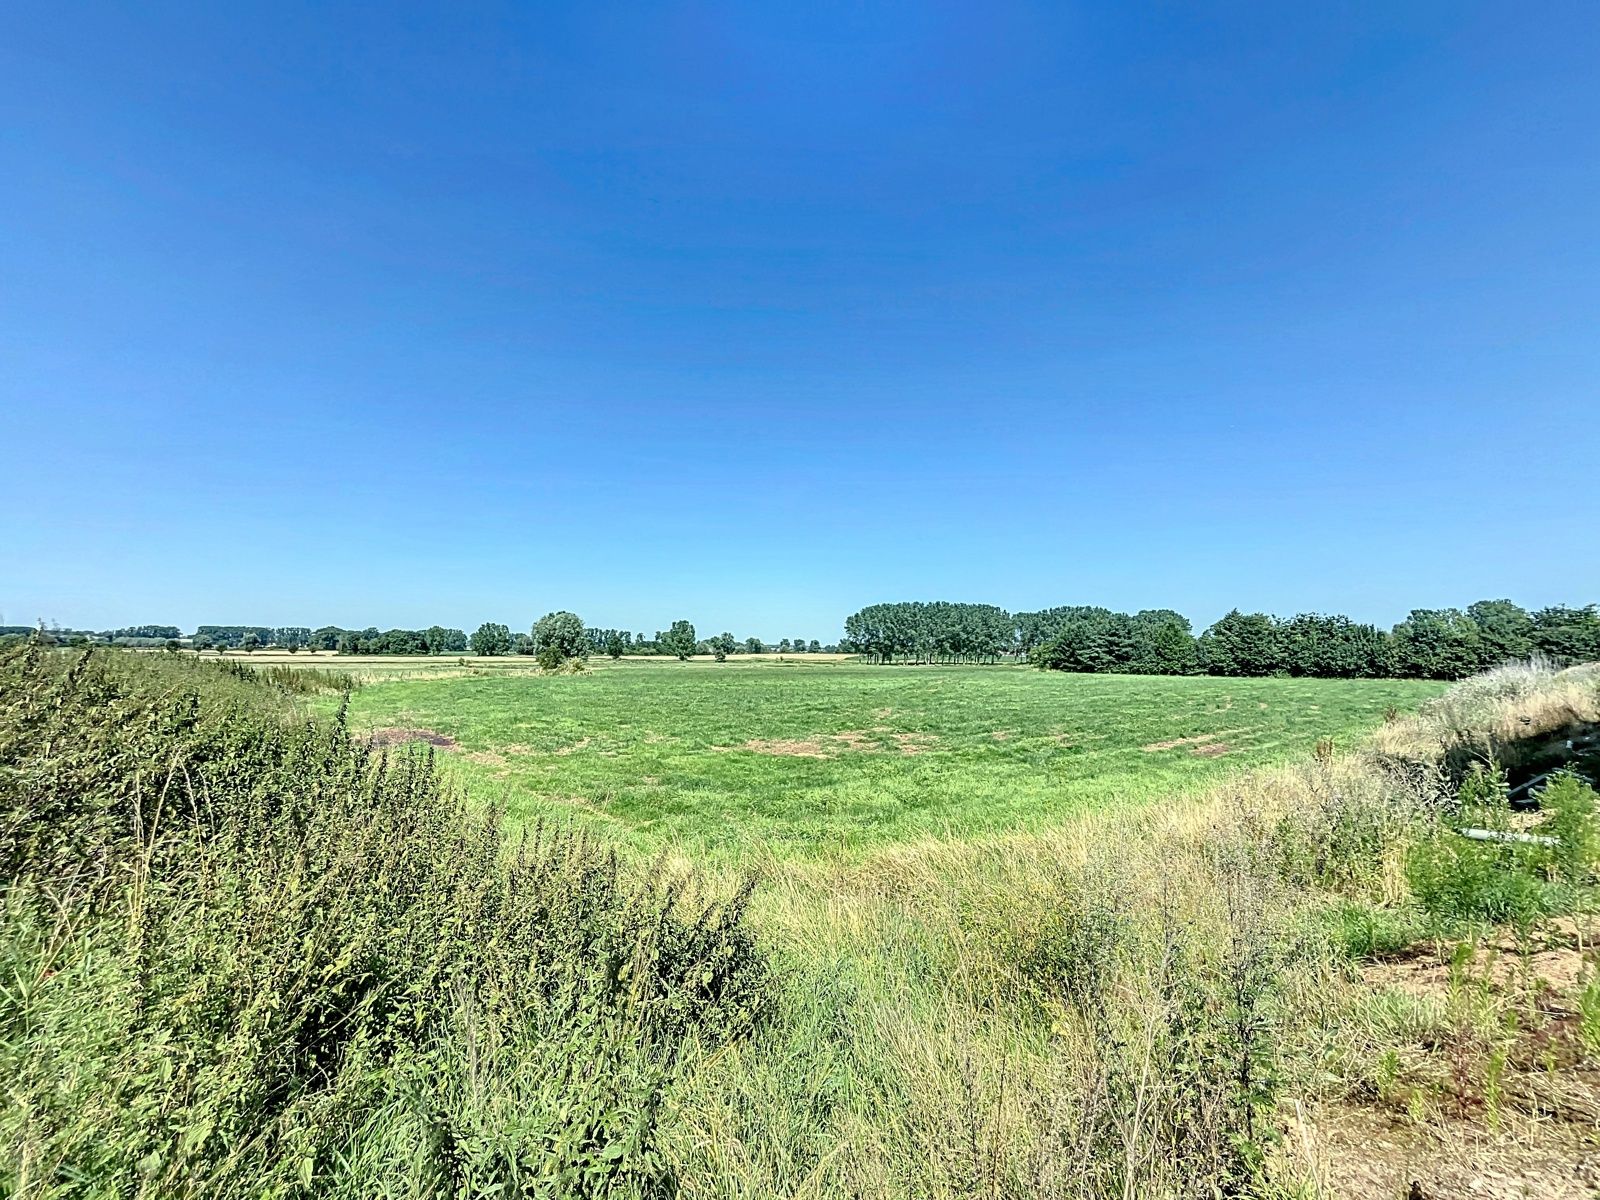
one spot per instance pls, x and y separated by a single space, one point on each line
1444 643
577 640
435 639
491 638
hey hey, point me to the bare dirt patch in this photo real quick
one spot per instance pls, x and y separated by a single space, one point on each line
786 747
1211 749
846 741
396 735
1553 964
1366 1154
859 740
576 746
1198 740
914 743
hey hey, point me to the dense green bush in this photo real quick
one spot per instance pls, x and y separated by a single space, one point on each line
246 955
1515 876
1573 821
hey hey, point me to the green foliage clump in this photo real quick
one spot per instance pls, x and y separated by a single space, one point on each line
557 637
1371 931
678 641
491 639
1572 820
1436 644
247 955
928 631
1569 635
1242 644
1512 875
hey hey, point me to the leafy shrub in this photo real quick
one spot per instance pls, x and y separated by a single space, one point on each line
257 958
1369 931
308 680
1571 819
1497 880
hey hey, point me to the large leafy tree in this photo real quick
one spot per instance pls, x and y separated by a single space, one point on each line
679 640
1568 634
1163 643
559 633
491 638
1331 647
1242 644
440 640
1091 639
1436 643
1505 631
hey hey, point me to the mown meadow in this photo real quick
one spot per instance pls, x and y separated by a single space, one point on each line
249 948
780 758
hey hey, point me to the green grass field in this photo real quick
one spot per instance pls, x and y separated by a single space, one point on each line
802 758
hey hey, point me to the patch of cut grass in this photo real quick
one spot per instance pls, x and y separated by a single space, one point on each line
785 759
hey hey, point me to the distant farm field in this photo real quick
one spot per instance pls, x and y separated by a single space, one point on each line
799 758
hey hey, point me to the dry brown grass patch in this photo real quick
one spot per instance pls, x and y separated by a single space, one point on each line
832 745
399 735
1199 741
784 747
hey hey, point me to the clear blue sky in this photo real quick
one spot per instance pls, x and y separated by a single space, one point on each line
753 314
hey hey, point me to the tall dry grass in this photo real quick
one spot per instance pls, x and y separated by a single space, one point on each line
1135 1003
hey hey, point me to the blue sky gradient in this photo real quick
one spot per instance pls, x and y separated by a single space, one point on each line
754 314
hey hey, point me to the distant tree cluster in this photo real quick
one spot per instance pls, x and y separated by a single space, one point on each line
152 632
1431 643
1155 641
48 635
677 640
251 637
930 632
491 639
1428 644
